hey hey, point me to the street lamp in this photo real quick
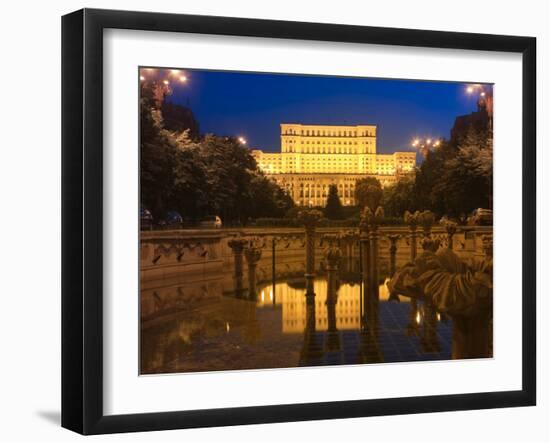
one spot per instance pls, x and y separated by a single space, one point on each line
242 140
424 145
161 81
485 99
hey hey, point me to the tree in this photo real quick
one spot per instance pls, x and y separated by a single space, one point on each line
400 197
457 177
178 118
368 192
215 175
466 182
157 154
333 208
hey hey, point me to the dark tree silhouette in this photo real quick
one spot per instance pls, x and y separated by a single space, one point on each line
368 192
333 208
179 118
211 176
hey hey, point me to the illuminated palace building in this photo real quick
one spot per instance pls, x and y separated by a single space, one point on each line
313 157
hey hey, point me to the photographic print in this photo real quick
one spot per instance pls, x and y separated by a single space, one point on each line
291 220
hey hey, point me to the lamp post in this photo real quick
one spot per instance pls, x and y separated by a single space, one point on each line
484 99
162 81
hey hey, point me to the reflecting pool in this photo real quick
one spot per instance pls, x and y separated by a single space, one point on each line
204 325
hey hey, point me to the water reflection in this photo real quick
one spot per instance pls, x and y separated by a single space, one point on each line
212 328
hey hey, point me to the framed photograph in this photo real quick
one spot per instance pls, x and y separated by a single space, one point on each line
269 221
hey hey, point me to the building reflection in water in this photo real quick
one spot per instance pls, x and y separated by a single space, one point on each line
204 327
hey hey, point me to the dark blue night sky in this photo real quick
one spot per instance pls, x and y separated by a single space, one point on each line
253 105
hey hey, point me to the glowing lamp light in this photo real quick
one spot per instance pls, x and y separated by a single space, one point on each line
166 82
429 141
470 89
175 71
183 79
242 140
141 77
482 94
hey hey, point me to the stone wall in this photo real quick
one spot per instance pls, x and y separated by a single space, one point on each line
173 254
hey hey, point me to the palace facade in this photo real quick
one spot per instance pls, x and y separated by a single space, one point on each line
313 157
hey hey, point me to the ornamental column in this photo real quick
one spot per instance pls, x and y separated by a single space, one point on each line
333 255
364 254
393 238
309 218
450 227
427 220
412 220
252 253
237 245
374 220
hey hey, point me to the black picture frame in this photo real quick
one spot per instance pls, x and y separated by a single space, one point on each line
82 218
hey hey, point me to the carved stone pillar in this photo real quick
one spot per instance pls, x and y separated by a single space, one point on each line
309 219
237 245
412 220
333 255
364 240
252 253
374 221
374 262
427 220
364 245
450 227
487 245
393 238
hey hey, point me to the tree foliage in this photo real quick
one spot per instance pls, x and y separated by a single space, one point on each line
453 180
179 118
198 177
400 197
333 208
368 192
